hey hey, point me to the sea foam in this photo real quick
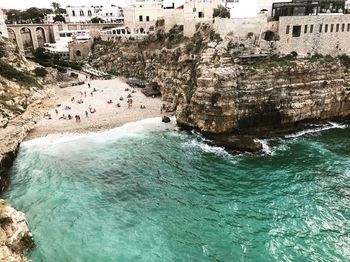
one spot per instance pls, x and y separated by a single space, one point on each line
127 130
329 125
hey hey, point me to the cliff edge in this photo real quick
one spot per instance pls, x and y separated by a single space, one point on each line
218 87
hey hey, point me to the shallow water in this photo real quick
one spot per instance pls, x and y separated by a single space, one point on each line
140 193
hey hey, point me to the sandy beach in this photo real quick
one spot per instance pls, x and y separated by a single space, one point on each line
106 115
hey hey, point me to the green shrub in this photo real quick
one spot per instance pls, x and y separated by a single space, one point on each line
221 11
12 73
40 72
2 49
345 60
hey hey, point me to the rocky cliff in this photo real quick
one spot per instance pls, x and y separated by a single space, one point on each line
23 88
15 237
21 95
205 79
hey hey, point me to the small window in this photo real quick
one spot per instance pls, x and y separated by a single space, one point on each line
296 30
200 14
287 29
343 27
348 27
305 29
81 13
332 27
311 29
147 18
73 13
140 18
326 28
320 28
337 28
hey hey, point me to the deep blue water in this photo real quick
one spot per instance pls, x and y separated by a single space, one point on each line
139 193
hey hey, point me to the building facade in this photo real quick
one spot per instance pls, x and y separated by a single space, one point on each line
3 27
308 35
141 17
84 14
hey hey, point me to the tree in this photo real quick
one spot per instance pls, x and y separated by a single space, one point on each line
13 15
221 11
59 18
97 20
56 7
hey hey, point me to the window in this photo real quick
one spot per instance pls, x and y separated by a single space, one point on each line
305 29
140 18
81 13
287 29
332 27
320 28
348 27
296 30
311 29
78 53
337 28
200 14
326 28
147 18
89 13
73 13
343 27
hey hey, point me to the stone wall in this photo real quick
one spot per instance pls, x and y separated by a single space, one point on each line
313 37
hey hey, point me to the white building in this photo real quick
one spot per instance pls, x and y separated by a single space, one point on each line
3 27
84 14
250 8
64 38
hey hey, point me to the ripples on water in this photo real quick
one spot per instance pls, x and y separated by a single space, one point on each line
136 195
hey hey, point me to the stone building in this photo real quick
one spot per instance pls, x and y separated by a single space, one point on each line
141 17
3 27
324 34
79 50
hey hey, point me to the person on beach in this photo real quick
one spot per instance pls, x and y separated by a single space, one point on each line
86 114
56 111
85 93
72 99
161 110
69 117
89 85
91 93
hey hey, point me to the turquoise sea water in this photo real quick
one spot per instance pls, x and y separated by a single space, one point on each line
145 193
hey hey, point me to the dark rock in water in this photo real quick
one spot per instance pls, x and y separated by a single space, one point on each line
134 82
237 143
152 90
166 119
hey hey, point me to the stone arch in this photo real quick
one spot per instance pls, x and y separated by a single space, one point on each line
142 31
40 36
78 53
27 39
269 36
12 35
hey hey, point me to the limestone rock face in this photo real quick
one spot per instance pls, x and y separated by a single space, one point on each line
15 237
213 93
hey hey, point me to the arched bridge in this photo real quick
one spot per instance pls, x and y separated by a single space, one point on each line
32 36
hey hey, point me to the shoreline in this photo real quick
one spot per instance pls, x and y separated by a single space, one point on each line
95 95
